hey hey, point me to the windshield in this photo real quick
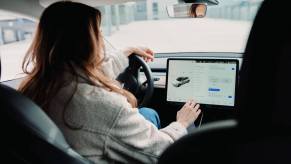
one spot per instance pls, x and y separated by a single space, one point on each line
225 28
143 23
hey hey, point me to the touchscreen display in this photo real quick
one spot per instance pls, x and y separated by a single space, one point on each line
211 82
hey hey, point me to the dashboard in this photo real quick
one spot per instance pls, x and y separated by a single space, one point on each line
159 66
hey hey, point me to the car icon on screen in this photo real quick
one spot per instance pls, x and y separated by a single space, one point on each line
180 81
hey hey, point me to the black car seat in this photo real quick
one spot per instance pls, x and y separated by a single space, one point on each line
28 135
262 131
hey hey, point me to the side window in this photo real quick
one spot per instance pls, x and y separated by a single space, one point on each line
16 32
9 36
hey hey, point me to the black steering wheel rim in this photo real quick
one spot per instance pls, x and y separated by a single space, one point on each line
130 79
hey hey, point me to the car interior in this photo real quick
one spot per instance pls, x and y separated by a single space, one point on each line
258 135
234 127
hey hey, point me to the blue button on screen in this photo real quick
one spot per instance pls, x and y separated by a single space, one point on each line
214 89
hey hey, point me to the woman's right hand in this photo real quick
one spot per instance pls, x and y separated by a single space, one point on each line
188 113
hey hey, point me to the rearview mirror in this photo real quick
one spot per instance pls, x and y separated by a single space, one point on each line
187 10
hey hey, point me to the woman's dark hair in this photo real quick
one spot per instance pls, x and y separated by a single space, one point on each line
67 38
192 10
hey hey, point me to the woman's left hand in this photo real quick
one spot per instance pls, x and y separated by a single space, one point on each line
146 53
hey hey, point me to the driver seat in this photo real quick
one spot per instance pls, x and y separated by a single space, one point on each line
29 135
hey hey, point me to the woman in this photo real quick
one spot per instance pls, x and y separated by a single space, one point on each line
197 10
72 79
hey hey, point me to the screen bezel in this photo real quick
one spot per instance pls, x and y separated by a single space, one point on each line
208 60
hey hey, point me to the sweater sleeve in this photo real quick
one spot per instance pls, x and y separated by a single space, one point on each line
140 139
114 63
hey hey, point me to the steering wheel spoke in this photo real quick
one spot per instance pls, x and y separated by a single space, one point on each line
130 78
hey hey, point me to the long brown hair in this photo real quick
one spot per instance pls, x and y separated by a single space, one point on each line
68 36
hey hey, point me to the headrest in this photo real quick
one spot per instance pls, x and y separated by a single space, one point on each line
18 108
265 77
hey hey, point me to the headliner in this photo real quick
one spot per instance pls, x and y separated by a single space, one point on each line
34 8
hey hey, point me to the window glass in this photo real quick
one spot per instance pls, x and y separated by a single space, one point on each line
16 32
225 28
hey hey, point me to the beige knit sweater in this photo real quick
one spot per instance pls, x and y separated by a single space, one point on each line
102 126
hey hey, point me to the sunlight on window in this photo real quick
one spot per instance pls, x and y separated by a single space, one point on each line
143 23
225 29
16 33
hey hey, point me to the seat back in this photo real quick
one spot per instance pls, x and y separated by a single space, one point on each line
191 148
29 135
224 142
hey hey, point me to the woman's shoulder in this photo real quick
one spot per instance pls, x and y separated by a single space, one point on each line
101 96
94 108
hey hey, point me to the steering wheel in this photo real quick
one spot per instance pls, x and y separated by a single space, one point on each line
130 78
